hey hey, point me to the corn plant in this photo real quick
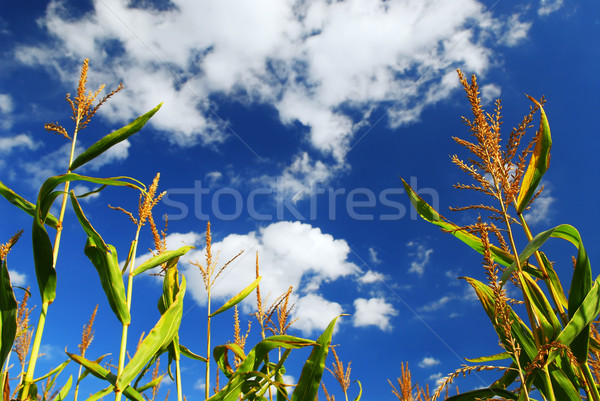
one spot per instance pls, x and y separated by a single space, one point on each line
253 375
549 346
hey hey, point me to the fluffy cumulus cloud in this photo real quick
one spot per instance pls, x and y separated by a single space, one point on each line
373 312
428 362
289 253
319 63
18 279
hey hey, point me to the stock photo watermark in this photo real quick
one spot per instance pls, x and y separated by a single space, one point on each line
227 203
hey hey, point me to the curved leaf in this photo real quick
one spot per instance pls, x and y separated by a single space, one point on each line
161 258
238 298
538 164
312 371
112 139
429 214
8 314
64 391
24 204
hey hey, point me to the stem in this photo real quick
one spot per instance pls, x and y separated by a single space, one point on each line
77 385
42 320
35 350
123 349
590 381
207 376
178 379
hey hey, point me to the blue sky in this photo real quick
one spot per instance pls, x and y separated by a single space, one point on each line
287 124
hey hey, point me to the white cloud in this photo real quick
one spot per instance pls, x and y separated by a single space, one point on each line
16 278
290 253
489 93
433 306
317 63
6 103
420 257
7 144
373 256
428 362
371 277
549 6
314 313
373 312
541 210
437 377
515 30
6 108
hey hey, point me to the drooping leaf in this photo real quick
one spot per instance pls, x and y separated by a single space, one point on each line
8 314
358 397
42 245
538 164
312 371
237 298
112 139
429 214
24 204
160 336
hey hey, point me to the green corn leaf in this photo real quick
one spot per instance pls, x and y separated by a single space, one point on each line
100 394
431 215
86 372
101 373
312 371
521 332
161 258
221 357
152 384
55 371
64 391
112 139
359 391
8 314
562 387
554 281
104 258
497 357
538 164
24 204
563 231
42 246
507 378
581 284
187 353
160 336
249 368
483 394
238 298
541 308
586 313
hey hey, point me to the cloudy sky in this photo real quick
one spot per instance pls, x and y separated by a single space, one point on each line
287 124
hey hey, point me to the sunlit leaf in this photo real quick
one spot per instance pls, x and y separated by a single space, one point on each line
237 298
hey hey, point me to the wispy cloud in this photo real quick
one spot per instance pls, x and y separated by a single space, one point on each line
435 305
420 256
8 144
549 6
